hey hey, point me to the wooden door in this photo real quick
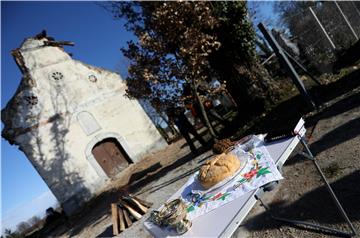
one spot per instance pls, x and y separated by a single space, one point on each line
110 156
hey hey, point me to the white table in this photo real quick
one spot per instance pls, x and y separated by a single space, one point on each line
223 222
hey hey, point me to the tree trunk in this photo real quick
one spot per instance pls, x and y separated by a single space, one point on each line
203 112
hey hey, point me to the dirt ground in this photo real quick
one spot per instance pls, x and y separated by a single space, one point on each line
302 195
333 133
153 179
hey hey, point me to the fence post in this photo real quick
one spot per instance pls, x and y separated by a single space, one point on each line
355 7
323 29
346 20
284 61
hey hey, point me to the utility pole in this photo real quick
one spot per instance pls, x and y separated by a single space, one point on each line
301 67
323 29
346 20
284 61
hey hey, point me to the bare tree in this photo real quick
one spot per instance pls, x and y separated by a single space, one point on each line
23 227
35 222
189 43
10 234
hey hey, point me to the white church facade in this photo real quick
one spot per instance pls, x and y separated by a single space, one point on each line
73 122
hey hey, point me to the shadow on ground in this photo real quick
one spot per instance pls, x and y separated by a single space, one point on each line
164 184
141 174
343 133
100 206
316 205
108 232
136 186
284 115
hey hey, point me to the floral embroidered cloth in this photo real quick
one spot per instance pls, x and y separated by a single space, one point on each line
259 170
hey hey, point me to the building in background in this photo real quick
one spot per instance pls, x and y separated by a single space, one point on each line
73 121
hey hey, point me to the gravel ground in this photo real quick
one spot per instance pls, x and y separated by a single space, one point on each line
301 195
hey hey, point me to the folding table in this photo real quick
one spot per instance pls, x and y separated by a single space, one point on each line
223 222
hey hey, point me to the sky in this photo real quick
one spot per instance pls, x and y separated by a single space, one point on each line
98 39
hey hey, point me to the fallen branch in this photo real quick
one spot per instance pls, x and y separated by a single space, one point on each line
136 204
121 219
145 203
114 218
127 219
134 213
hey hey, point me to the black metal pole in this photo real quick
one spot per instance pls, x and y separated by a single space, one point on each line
284 61
333 196
302 67
310 156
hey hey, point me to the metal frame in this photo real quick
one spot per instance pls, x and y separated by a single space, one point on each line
308 155
280 151
285 62
244 211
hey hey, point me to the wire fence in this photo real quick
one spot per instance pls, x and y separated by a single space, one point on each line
317 34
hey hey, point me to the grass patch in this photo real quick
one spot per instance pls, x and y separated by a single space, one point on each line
332 170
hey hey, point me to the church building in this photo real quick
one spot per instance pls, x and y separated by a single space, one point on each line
73 122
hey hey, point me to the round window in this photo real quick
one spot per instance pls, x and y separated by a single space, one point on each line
56 75
31 100
92 78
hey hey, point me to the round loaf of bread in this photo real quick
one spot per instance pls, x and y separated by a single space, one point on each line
217 169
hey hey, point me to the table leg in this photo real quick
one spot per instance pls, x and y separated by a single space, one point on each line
307 154
334 197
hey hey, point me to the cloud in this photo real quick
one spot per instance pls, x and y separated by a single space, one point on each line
35 207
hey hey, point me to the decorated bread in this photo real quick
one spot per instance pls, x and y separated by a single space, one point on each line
217 169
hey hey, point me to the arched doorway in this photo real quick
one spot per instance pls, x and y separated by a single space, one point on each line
111 156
